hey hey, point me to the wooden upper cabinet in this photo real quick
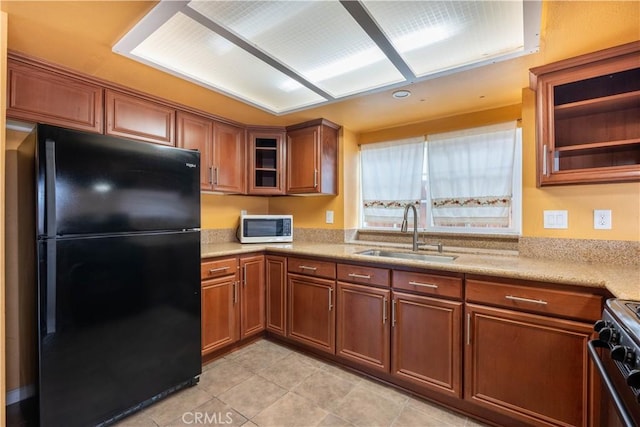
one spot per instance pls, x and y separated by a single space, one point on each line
229 158
196 133
222 151
136 118
41 96
587 117
312 158
266 172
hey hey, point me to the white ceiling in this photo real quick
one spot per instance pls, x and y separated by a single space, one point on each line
285 56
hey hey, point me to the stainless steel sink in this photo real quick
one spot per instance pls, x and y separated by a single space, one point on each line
408 255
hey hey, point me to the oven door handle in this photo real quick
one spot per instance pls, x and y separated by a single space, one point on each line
620 407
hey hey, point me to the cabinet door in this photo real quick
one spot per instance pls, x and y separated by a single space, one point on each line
587 117
276 296
131 117
530 367
252 295
427 342
266 163
363 325
303 160
229 155
220 311
311 311
39 96
196 133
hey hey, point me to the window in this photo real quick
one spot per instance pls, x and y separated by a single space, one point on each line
465 181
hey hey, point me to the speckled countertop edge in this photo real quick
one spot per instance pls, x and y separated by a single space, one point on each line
622 282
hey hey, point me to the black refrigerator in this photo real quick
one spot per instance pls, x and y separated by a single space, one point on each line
118 250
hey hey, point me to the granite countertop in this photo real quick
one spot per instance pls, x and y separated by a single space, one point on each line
621 281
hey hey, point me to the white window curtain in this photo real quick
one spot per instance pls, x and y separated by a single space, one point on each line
471 175
391 178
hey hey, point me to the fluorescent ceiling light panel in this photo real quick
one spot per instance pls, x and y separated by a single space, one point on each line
316 39
284 56
434 36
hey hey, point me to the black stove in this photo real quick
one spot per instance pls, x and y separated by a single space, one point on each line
616 354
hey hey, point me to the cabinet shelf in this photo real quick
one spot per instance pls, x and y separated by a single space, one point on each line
597 145
618 102
587 120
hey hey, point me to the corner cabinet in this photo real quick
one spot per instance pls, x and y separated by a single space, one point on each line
266 162
312 158
587 117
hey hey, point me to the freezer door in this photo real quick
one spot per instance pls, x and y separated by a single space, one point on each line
119 323
90 183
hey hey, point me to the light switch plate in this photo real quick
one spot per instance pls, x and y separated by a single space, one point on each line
602 219
329 217
556 219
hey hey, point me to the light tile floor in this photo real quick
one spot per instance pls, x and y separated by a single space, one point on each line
268 385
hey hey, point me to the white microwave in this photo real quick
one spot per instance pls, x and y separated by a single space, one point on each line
266 228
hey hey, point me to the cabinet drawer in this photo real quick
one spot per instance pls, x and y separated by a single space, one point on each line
539 300
312 267
428 284
366 275
218 268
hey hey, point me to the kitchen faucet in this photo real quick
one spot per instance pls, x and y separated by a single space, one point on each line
403 228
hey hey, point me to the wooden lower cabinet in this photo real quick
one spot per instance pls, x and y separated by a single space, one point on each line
276 294
362 332
530 367
252 295
427 342
220 313
232 300
312 317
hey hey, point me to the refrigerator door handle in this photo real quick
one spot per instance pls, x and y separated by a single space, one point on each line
50 291
50 188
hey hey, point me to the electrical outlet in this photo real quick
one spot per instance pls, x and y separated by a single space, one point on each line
329 217
556 219
602 219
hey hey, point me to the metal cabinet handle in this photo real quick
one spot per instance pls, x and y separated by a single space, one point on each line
216 170
330 299
244 275
532 301
393 312
468 328
360 276
216 270
544 160
426 285
235 292
384 310
211 175
315 178
306 267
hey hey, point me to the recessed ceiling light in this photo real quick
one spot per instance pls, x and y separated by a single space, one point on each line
400 94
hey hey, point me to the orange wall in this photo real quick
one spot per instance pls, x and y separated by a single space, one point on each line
578 200
223 211
309 211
